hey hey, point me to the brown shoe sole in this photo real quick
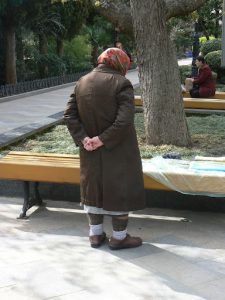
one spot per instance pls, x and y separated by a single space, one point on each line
120 247
124 246
101 242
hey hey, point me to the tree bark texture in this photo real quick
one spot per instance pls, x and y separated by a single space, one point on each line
43 49
10 52
165 122
60 46
119 13
176 8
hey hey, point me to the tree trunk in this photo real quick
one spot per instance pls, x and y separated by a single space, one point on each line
43 44
165 121
159 74
19 46
60 46
43 49
217 26
21 69
10 51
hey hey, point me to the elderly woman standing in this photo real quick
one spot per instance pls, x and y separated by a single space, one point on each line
100 118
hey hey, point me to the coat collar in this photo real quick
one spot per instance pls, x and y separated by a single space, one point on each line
105 69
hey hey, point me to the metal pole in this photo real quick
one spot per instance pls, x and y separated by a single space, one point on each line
223 37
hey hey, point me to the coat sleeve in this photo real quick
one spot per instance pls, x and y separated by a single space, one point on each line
124 121
73 121
202 76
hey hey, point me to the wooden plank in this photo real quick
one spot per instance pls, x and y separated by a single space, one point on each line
42 173
56 174
216 104
30 167
27 153
138 101
218 95
204 103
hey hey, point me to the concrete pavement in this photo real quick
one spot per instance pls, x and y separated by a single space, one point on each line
48 256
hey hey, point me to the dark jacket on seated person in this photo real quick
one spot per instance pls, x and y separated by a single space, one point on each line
205 82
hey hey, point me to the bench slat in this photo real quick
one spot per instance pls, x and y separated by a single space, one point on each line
218 95
41 173
27 153
44 161
218 104
26 166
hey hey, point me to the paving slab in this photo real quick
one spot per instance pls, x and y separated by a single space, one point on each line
48 256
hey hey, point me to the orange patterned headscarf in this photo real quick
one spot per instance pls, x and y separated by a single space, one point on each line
116 59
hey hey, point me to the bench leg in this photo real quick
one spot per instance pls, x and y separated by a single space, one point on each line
30 201
26 191
37 196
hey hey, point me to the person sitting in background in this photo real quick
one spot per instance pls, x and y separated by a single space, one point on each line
119 45
203 84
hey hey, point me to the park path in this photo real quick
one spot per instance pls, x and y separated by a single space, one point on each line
25 114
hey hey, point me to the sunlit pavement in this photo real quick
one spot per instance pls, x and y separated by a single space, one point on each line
48 256
185 61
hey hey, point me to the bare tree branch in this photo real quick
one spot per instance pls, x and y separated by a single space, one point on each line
181 7
118 12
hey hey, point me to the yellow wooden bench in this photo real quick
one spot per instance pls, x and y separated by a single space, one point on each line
218 95
195 103
42 167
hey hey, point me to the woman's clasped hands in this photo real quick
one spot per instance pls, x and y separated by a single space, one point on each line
91 144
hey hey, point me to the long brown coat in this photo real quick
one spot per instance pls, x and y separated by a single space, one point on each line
111 176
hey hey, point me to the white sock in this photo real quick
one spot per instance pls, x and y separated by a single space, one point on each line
119 235
96 229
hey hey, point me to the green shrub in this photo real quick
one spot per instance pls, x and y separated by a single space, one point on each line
56 65
203 39
185 71
77 54
213 59
214 75
210 46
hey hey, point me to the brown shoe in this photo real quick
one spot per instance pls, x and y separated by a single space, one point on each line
128 242
97 240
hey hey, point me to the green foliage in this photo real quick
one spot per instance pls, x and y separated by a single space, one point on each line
181 32
213 59
203 39
77 54
55 65
211 45
185 71
72 16
100 31
209 16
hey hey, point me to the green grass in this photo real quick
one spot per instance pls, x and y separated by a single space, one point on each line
207 132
